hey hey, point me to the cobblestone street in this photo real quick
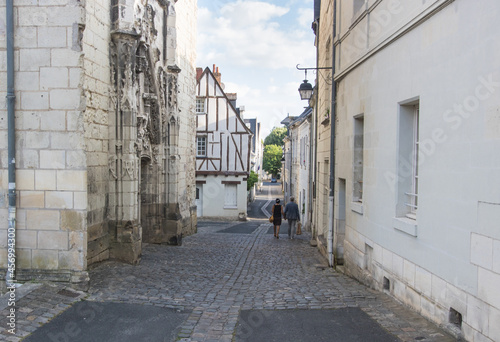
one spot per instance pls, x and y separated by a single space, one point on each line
216 274
223 269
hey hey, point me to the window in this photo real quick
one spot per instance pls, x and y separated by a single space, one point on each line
200 105
201 146
230 196
407 189
412 195
359 125
302 151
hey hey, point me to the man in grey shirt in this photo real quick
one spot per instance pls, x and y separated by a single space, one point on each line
292 214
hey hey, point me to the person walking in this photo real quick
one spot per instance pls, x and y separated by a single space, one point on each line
292 214
277 215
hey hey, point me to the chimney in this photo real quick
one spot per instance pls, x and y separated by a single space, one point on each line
199 72
217 74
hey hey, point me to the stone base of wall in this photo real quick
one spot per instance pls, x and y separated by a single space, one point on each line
322 246
175 226
153 221
79 280
97 243
422 291
162 228
125 242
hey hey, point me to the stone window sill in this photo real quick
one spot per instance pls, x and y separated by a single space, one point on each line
405 225
357 207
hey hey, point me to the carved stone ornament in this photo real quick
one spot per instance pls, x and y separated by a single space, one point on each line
172 91
112 166
129 167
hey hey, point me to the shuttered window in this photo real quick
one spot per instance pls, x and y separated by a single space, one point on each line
230 198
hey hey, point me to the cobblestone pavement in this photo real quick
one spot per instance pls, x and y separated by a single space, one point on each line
36 308
214 275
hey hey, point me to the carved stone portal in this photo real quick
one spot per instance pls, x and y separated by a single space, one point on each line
144 195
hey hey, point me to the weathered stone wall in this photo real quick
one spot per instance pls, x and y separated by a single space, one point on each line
96 87
186 12
102 111
51 166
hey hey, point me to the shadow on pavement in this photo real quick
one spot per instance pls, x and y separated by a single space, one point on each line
110 322
342 325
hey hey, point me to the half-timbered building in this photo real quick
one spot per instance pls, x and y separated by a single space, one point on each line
223 143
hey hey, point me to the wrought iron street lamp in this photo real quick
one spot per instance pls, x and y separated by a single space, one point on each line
306 89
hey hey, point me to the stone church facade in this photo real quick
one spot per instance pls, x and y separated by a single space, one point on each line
105 101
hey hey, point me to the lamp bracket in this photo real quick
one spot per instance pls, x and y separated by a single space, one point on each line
317 68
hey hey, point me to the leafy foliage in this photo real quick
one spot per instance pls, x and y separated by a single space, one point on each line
276 136
272 159
252 179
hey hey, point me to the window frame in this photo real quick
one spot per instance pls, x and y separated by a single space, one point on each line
233 188
201 105
200 138
412 195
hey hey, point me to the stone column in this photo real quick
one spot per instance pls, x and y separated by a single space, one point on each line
124 226
174 217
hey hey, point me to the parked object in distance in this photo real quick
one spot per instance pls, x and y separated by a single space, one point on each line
273 180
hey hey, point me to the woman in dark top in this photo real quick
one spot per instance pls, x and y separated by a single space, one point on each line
277 214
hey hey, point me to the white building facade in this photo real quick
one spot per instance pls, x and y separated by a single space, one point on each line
296 166
223 143
417 155
256 155
302 164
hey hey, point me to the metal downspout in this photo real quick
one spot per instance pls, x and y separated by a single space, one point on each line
331 259
11 98
314 228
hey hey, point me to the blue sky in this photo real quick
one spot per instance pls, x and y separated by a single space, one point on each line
256 45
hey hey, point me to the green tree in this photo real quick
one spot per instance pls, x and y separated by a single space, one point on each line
252 179
276 136
272 159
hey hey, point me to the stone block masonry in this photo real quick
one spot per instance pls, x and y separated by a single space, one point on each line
50 182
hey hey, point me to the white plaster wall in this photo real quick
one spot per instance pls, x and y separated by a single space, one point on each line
213 197
303 183
451 63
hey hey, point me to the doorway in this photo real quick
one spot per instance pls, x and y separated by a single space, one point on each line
339 233
199 200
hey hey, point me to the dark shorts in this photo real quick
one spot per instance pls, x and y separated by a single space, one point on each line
277 221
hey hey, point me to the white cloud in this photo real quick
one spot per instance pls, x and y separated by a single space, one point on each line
249 34
252 12
305 17
257 45
243 90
